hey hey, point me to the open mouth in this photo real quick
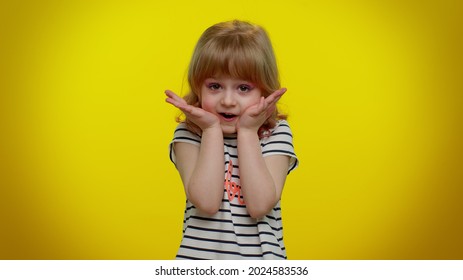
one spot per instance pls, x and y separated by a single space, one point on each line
227 116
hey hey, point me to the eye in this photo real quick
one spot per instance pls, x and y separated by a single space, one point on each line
244 88
214 86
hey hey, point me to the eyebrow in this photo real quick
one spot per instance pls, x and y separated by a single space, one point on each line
238 80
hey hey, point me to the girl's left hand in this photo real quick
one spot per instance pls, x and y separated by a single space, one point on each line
255 116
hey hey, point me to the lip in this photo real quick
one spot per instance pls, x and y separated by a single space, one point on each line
228 119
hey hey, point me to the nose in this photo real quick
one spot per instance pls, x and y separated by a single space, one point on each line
228 98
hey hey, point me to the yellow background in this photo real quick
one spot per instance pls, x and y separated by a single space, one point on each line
374 99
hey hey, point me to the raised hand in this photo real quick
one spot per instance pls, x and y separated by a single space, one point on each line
198 116
255 116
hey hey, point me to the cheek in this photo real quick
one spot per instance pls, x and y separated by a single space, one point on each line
252 101
254 98
208 104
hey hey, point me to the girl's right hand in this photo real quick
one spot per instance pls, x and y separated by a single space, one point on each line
197 115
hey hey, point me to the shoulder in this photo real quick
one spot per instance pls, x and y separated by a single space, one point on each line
280 130
280 134
281 126
280 142
183 134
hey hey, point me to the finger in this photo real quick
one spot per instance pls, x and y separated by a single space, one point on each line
270 110
172 101
271 101
275 96
185 108
169 92
175 100
260 107
172 95
181 104
188 109
280 92
192 111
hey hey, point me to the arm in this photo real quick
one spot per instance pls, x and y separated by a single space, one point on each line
201 168
262 179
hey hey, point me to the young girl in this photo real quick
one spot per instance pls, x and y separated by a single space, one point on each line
234 150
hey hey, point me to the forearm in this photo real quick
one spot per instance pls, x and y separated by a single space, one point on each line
205 188
257 184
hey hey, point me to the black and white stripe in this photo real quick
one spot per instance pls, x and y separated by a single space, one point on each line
231 233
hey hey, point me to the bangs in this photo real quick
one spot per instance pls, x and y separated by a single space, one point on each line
231 57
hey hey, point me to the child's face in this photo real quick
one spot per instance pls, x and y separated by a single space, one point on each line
228 98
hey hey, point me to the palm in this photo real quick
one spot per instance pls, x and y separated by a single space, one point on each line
257 114
198 116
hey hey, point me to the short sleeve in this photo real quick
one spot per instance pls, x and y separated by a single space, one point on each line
182 134
280 142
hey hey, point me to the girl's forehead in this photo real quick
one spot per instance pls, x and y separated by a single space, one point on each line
232 74
227 77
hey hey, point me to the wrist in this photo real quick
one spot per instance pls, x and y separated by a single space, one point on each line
247 132
216 128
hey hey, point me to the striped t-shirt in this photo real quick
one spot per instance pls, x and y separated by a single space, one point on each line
232 233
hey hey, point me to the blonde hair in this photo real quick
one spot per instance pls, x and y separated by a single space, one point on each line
238 49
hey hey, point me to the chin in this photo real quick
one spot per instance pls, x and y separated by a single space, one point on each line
228 129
